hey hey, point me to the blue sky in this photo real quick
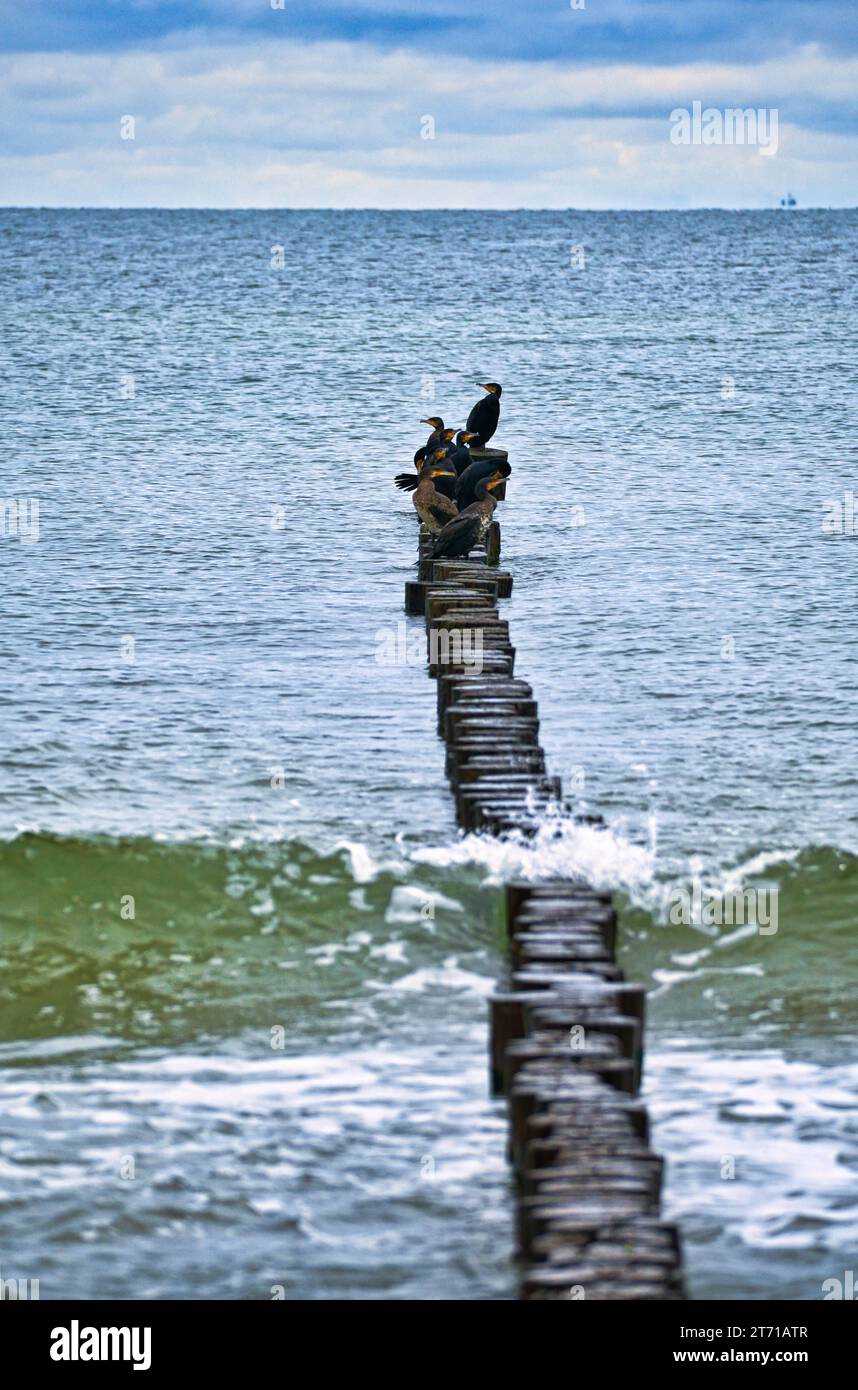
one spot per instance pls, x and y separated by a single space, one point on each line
538 103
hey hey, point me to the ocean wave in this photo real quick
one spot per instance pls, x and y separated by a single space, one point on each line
158 940
645 880
152 940
116 884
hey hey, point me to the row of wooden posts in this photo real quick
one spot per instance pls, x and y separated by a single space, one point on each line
566 1030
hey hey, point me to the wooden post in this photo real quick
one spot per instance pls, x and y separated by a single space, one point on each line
566 1034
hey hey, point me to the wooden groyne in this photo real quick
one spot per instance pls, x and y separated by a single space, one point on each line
566 1030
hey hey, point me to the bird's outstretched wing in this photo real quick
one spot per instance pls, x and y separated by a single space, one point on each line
406 482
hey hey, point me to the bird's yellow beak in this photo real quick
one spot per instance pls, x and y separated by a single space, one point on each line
495 479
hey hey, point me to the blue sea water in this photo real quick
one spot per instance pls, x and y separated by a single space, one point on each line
208 409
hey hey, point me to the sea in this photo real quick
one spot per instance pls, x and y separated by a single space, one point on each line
245 954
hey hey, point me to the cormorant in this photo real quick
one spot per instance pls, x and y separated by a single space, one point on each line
432 507
461 455
444 474
446 442
466 530
437 430
465 490
483 419
405 480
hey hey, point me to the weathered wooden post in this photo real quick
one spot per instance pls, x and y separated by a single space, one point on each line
566 1030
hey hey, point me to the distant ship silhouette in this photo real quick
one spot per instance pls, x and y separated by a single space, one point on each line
788 201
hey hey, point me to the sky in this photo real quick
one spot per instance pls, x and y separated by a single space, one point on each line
432 103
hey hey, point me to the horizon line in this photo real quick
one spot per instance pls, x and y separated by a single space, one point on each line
165 207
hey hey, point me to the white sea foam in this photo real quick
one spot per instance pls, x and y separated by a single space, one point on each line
410 903
363 867
758 865
606 858
562 848
363 864
448 975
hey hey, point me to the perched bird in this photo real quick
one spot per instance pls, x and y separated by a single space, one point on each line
466 530
433 508
445 474
408 481
483 419
461 455
465 490
437 430
445 443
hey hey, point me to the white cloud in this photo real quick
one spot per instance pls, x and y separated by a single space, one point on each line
301 124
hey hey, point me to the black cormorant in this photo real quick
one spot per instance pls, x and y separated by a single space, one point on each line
405 480
446 442
483 419
461 455
437 430
466 484
444 474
